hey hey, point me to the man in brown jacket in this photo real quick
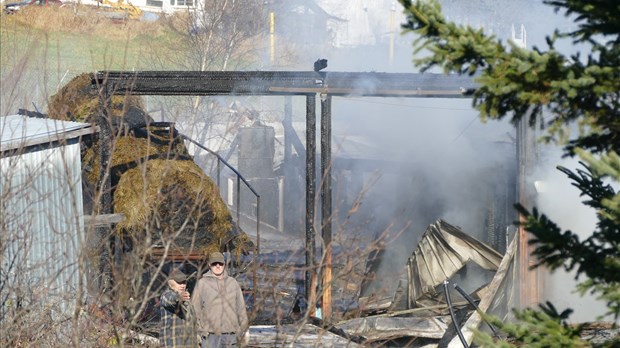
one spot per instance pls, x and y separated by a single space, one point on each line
219 305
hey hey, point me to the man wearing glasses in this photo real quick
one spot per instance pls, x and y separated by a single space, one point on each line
219 305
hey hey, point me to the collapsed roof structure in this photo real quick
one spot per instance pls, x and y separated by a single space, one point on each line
418 307
422 309
442 251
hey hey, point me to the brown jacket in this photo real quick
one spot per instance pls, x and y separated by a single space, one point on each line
219 305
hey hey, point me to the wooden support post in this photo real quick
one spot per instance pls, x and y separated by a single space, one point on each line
257 254
287 196
326 204
310 192
104 189
529 278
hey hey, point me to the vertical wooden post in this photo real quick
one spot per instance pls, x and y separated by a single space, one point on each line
310 192
529 279
257 254
289 176
326 204
105 185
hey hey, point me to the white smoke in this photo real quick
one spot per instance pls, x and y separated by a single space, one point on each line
560 201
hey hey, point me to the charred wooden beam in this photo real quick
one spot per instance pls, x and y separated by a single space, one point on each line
310 192
326 203
373 84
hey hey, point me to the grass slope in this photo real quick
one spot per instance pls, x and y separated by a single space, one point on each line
42 48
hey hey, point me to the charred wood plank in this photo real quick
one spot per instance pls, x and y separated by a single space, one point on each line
284 83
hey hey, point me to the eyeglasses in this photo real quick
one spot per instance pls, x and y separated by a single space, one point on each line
217 264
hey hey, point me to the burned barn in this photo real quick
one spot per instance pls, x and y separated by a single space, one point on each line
300 210
333 233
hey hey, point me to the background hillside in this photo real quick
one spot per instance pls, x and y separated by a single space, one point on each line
42 48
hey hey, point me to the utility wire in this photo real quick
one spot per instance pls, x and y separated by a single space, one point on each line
464 129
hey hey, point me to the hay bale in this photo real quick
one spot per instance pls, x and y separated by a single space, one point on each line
78 101
176 202
164 195
130 150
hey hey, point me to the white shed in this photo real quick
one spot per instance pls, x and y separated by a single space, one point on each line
41 211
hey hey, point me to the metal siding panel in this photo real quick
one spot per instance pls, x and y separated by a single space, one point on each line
18 131
43 195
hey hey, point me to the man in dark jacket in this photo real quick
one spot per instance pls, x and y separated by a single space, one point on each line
219 305
178 320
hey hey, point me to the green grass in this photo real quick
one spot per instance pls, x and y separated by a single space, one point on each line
43 48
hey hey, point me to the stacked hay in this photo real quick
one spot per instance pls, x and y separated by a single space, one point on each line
167 200
138 145
78 101
176 199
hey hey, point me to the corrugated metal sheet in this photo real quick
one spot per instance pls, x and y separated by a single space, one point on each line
18 131
442 251
42 210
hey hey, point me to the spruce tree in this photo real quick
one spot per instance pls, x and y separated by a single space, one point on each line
577 90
